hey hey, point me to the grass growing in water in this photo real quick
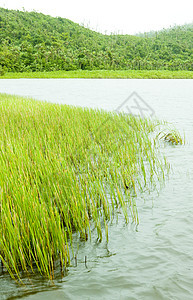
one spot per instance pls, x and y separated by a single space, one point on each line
62 169
171 136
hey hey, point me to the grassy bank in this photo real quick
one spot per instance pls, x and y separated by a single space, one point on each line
65 169
143 74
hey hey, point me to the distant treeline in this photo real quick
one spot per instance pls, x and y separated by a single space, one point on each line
31 41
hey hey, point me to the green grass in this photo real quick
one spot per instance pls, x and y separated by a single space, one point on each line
143 74
66 169
171 136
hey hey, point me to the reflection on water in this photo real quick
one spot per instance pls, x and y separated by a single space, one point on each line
156 260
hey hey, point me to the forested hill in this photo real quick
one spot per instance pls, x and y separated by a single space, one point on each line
31 41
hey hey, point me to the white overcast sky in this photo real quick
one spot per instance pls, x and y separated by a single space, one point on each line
121 16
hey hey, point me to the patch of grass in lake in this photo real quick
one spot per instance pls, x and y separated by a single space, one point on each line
64 168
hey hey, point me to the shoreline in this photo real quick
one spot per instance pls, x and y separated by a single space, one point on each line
103 74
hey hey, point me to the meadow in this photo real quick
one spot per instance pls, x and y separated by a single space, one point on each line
118 74
68 169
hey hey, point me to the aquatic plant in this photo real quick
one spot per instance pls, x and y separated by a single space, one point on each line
171 136
64 168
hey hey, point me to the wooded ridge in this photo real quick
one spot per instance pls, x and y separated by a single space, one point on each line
31 41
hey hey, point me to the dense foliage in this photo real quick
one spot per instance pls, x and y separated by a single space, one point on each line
31 41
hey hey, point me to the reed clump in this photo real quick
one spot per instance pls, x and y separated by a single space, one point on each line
61 169
171 136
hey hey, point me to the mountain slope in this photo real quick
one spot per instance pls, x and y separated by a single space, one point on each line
31 41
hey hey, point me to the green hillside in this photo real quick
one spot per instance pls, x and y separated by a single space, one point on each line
31 41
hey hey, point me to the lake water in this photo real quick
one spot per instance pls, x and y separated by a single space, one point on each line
155 260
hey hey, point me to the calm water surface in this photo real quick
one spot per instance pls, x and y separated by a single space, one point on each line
154 260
